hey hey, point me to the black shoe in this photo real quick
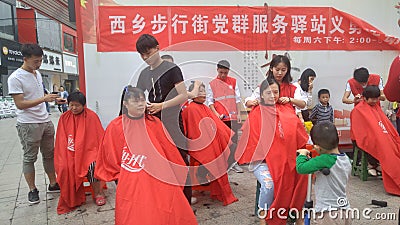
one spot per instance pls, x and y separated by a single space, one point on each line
33 196
54 188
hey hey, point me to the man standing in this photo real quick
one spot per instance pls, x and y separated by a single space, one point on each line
223 98
164 82
34 127
62 104
361 79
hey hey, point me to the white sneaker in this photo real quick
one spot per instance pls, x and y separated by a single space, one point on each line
193 200
372 172
237 168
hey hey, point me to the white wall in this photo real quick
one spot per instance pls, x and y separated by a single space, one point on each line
107 73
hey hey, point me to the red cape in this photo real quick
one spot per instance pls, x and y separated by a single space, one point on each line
392 85
209 140
375 134
77 140
276 145
142 196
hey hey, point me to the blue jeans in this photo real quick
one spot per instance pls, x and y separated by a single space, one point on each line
263 176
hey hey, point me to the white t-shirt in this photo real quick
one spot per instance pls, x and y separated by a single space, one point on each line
24 82
304 96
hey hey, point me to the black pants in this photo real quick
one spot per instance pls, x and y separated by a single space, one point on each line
174 125
398 125
370 159
234 126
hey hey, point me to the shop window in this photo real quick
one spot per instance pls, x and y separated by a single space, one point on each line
6 21
69 43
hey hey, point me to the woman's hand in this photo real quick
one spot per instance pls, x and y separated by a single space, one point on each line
251 103
284 100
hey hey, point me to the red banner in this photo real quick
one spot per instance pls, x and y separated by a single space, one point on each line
216 28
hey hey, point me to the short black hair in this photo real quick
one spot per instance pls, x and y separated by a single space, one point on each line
29 50
146 42
325 135
223 64
371 92
323 91
167 57
361 75
77 96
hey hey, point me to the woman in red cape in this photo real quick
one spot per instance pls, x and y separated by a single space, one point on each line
271 136
79 134
138 153
209 140
375 134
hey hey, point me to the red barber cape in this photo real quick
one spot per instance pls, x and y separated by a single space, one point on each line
274 134
77 140
392 86
131 151
375 134
209 144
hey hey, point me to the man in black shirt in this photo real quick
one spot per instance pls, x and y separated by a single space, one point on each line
164 82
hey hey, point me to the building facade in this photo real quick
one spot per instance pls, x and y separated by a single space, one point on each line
19 24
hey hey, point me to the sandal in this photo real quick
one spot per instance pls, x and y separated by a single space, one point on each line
100 200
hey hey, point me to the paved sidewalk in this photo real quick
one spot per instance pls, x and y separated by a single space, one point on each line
15 209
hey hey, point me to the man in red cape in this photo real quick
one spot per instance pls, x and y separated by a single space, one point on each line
79 134
209 144
375 134
150 171
276 145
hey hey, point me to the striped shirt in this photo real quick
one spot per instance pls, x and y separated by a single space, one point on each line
322 113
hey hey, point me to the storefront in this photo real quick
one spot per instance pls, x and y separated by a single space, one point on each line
11 59
70 64
52 70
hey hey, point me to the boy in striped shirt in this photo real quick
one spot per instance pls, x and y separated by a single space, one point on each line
323 111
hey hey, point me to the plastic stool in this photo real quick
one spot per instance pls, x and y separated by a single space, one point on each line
87 186
359 170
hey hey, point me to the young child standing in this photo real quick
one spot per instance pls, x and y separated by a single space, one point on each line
209 141
330 190
323 111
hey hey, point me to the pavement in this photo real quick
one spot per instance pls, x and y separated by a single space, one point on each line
15 209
